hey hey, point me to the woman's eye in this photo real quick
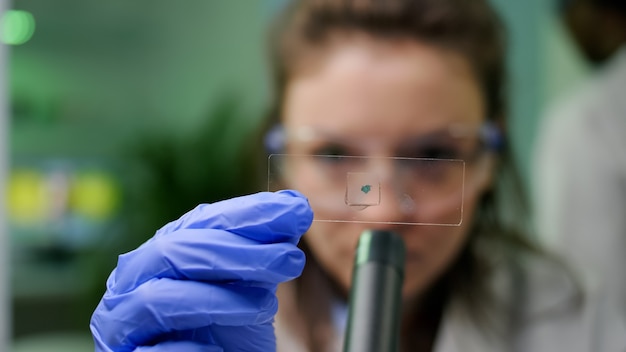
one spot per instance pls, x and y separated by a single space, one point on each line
434 152
337 159
332 150
440 153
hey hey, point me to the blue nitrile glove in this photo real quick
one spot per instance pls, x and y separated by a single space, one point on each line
207 281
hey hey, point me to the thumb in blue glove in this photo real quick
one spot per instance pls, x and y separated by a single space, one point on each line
207 279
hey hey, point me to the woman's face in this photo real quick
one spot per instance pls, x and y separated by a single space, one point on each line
382 94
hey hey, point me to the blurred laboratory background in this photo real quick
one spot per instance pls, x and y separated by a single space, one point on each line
126 114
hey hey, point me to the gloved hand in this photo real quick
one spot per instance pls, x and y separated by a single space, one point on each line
207 281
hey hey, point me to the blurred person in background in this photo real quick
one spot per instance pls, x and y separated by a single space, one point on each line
397 78
580 166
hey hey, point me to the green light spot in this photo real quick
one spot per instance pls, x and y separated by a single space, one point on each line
366 189
16 27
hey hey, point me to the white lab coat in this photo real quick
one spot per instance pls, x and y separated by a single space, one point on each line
592 325
579 179
542 323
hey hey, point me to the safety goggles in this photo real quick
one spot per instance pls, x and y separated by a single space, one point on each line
453 142
424 177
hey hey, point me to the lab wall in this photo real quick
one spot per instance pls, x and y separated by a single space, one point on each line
544 66
4 237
